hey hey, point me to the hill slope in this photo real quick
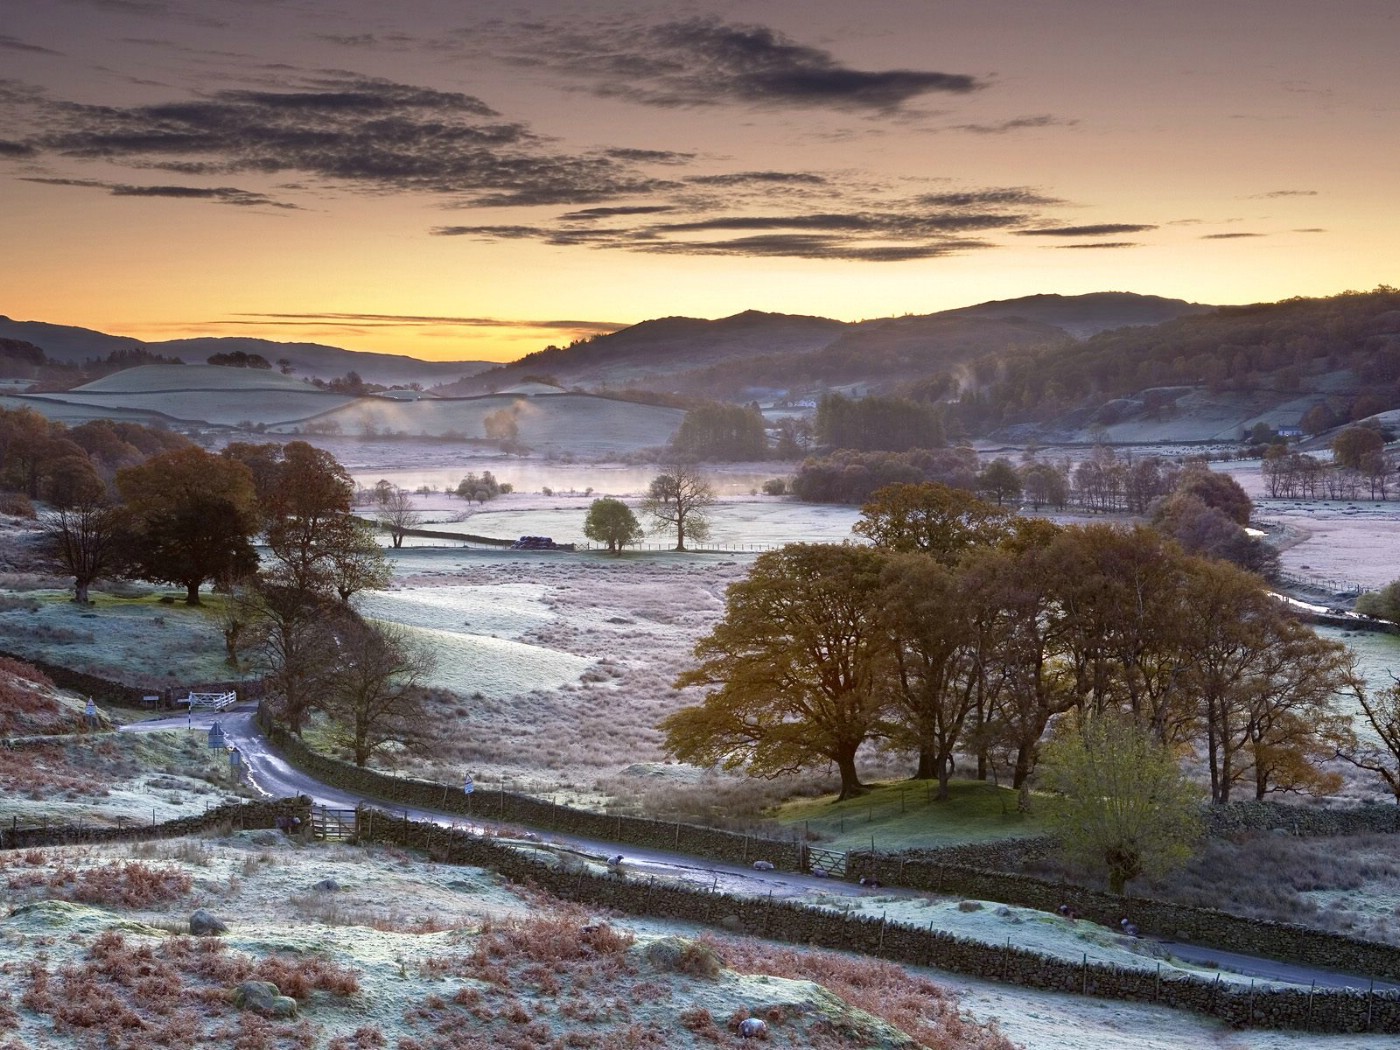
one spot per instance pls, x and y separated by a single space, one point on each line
66 344
755 354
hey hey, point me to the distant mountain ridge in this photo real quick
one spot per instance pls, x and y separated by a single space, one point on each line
753 352
72 345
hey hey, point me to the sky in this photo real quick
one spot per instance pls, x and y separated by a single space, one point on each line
476 179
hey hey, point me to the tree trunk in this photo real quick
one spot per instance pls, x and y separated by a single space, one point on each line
928 765
680 534
80 592
192 593
850 781
945 773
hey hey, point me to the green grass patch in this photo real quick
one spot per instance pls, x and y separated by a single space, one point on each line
903 815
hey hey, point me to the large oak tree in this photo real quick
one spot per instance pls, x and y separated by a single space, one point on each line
193 516
798 668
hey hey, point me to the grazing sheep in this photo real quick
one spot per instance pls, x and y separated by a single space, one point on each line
753 1028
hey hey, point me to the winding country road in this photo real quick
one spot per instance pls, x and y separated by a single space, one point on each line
269 775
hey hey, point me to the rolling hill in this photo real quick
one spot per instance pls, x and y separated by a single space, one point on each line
756 354
69 345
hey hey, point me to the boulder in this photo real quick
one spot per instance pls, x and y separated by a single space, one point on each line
203 924
327 886
265 998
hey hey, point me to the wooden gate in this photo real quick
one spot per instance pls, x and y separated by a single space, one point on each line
827 861
332 824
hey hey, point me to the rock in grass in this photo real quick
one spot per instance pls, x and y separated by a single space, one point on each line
326 886
265 998
203 924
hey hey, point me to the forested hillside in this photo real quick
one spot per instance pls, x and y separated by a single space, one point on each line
1346 347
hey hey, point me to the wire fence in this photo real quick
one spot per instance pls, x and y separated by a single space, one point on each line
1321 583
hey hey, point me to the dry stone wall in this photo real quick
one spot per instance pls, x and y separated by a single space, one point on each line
239 816
1322 1011
932 871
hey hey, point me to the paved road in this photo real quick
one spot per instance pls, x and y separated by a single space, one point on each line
271 776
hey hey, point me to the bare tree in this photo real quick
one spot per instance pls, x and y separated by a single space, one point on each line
1382 711
84 541
376 696
296 636
677 501
396 514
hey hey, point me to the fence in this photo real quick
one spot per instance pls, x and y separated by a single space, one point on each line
209 701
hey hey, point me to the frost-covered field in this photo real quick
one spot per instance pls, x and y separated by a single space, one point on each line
417 948
738 521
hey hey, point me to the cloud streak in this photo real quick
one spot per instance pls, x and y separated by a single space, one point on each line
424 320
1105 229
702 62
348 132
356 132
216 194
1016 124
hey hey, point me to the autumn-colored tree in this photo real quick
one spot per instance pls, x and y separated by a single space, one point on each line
1022 636
1119 594
677 501
931 617
1264 685
1216 490
930 518
307 512
193 515
798 665
1126 805
1352 445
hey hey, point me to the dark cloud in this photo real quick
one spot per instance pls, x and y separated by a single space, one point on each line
16 149
708 62
589 214
152 9
216 194
813 246
740 178
1311 229
998 197
894 223
359 132
508 233
11 43
414 320
1016 124
1099 244
1099 230
305 134
1283 193
1229 236
650 156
